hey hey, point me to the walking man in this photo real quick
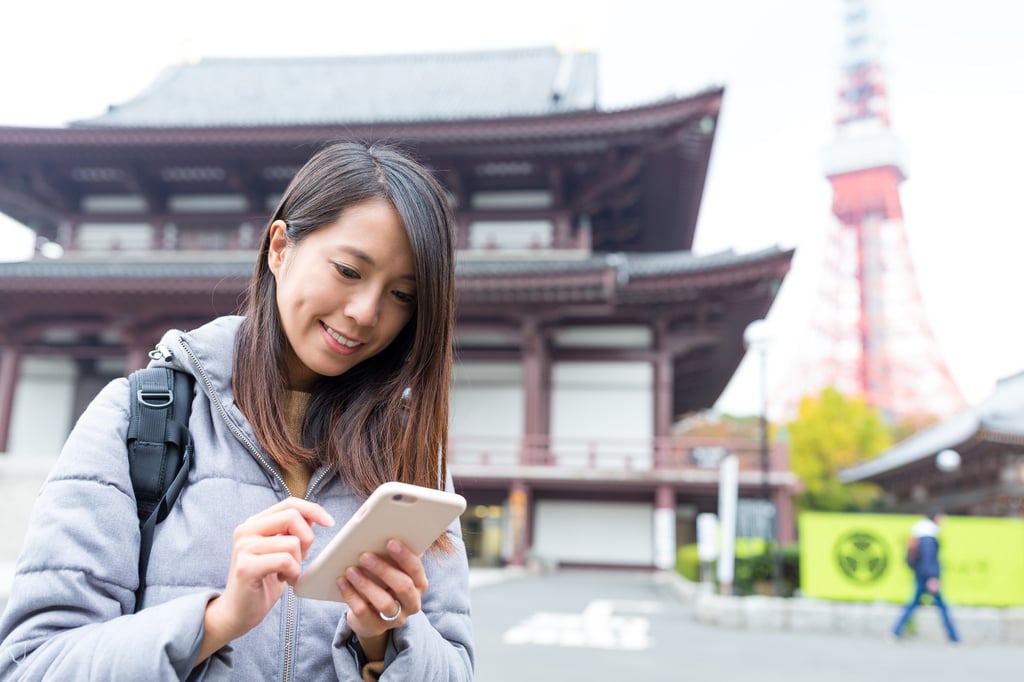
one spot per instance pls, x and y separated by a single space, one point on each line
923 558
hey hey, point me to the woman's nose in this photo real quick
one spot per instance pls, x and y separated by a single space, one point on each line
364 307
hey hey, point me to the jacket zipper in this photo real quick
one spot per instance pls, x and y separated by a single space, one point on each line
289 635
291 613
227 420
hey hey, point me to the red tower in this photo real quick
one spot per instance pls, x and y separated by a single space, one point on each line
870 336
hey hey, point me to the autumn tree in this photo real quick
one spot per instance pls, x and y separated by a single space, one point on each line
831 433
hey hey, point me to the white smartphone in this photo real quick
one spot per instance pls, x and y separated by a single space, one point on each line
413 514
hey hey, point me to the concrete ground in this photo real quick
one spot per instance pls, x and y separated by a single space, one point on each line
602 626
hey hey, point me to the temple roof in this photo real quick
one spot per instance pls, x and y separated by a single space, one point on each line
609 276
141 296
336 90
1000 416
637 173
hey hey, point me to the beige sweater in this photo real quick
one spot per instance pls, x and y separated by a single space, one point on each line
296 476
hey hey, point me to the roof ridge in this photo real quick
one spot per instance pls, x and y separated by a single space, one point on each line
390 56
386 87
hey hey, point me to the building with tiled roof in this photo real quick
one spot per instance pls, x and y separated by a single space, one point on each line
586 325
971 463
406 88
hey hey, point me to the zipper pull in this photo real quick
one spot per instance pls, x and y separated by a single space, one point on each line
161 352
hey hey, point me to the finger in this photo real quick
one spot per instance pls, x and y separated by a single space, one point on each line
310 511
254 568
378 599
362 616
407 589
408 562
356 600
284 521
273 544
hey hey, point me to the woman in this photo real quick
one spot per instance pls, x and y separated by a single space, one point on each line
333 381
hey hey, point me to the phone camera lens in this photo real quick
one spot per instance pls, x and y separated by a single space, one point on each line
397 498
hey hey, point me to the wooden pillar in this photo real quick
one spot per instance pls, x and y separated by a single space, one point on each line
10 365
784 521
584 238
663 392
66 235
562 237
156 242
462 230
664 527
536 391
460 200
520 523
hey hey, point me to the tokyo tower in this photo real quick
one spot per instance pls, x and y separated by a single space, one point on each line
870 335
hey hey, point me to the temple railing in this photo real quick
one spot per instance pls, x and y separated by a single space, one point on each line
611 454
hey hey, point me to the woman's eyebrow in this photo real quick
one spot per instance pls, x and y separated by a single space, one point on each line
367 258
361 255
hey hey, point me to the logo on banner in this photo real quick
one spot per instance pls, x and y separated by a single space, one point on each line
861 556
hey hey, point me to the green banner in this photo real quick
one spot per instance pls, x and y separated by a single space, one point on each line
860 557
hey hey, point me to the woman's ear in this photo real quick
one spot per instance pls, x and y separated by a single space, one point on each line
278 246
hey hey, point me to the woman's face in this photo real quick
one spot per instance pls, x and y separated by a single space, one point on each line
344 292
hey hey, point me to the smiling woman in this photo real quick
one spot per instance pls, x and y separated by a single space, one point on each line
343 293
333 381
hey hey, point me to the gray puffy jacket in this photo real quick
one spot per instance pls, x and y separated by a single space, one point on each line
71 613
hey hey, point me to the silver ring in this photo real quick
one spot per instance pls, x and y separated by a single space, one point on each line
393 618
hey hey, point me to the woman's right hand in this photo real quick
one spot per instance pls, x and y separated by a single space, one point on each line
267 557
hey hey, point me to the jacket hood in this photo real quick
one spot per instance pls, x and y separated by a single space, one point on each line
205 352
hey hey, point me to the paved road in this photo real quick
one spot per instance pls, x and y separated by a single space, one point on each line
601 626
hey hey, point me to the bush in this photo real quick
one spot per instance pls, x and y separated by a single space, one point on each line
688 563
754 564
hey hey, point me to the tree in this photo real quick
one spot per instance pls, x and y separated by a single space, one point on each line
830 433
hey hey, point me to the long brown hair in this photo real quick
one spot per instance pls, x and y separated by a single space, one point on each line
387 417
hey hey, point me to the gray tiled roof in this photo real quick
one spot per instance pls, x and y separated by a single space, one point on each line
373 89
1001 412
630 266
126 269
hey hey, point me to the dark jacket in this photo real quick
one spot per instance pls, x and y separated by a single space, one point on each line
927 563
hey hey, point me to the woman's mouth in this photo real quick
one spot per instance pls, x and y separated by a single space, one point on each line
343 340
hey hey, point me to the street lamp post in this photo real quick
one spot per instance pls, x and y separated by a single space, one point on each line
948 462
756 337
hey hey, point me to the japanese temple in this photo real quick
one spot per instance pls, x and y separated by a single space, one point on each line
970 464
586 325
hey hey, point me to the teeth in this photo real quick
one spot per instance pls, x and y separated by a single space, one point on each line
341 339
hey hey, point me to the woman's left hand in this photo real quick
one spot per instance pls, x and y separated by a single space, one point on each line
382 586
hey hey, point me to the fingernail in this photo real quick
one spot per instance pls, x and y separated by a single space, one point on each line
343 585
394 547
353 575
368 560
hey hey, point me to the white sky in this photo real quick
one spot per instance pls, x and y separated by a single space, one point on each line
955 72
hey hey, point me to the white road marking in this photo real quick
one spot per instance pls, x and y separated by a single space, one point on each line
597 627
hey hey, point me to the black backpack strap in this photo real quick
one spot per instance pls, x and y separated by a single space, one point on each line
159 448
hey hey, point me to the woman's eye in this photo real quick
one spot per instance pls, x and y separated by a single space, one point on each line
404 297
347 272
